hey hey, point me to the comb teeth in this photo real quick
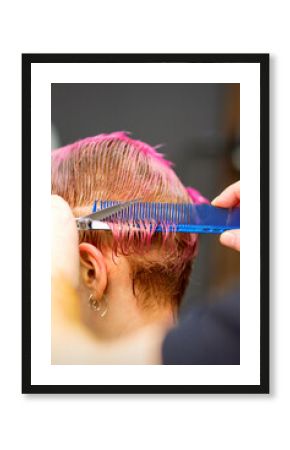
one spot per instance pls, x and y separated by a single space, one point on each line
177 217
165 213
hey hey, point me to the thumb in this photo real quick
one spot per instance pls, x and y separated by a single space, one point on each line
64 241
231 239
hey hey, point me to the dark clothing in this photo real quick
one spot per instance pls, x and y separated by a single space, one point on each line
207 335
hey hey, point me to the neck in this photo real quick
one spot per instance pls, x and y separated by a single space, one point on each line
124 315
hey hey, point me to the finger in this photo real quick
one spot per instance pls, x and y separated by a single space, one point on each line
64 243
231 239
229 197
63 221
60 209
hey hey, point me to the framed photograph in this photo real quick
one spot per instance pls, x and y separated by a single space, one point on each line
159 301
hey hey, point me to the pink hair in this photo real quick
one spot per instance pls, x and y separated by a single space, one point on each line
196 196
116 167
117 135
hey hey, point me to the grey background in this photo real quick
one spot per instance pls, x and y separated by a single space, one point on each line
193 121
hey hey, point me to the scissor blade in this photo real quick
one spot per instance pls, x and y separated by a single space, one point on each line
107 212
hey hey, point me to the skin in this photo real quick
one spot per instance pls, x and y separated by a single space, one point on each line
108 278
230 197
126 335
64 243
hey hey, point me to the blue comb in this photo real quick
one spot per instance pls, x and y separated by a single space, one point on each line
178 217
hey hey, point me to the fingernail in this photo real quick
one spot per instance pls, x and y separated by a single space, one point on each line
228 238
215 200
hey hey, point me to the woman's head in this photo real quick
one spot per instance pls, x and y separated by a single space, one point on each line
116 167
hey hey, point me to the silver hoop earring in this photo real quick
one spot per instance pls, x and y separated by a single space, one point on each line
101 307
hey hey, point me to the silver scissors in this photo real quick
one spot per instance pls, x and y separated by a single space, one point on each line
94 221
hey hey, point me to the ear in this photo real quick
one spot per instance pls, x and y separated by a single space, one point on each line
93 269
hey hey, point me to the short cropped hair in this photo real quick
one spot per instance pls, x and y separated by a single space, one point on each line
116 167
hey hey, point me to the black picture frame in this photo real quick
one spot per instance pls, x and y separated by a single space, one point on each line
263 61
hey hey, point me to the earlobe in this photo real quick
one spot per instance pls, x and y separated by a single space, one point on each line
93 269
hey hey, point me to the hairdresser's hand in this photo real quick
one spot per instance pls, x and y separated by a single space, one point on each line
66 327
229 198
64 242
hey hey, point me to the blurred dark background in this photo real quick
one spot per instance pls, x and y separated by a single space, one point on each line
199 125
